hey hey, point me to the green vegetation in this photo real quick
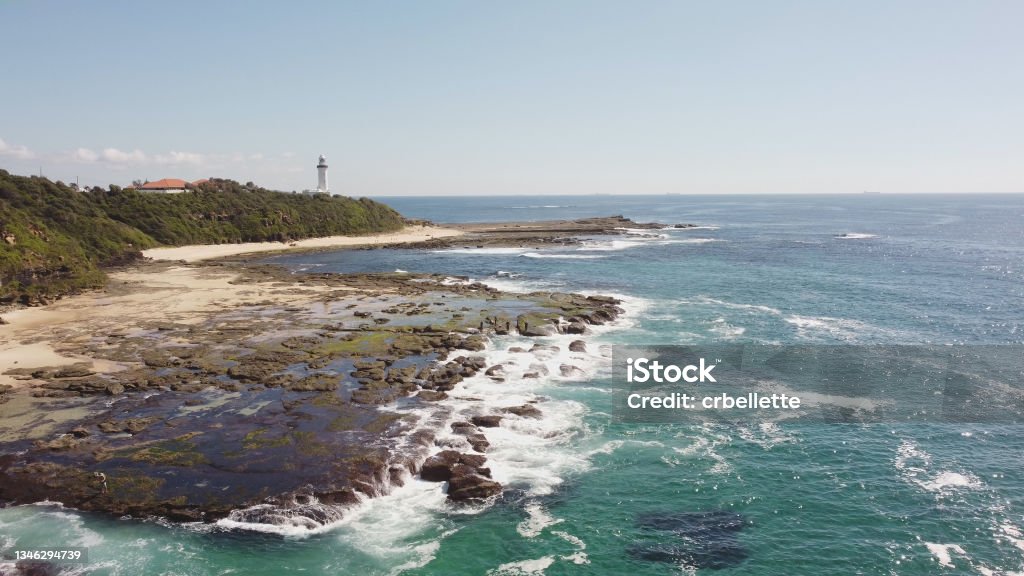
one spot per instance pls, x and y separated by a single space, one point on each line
55 239
224 211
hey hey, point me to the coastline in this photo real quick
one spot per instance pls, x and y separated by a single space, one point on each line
173 344
200 252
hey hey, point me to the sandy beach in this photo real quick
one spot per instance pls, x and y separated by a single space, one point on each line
197 253
48 336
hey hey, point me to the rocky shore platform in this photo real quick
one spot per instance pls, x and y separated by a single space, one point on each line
540 234
197 392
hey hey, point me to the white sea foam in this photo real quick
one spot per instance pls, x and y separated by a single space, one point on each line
845 329
709 301
482 251
1012 534
947 479
579 557
722 328
915 466
561 255
537 520
943 553
637 241
643 232
856 236
518 285
534 567
767 436
704 445
696 241
609 245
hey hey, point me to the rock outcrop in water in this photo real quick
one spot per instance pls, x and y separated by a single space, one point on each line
270 414
696 540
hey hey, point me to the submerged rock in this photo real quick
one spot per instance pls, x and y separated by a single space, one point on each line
697 539
570 371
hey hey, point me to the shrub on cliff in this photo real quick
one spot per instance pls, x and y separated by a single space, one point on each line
224 211
55 239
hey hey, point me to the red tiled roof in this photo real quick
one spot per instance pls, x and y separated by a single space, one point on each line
165 184
200 181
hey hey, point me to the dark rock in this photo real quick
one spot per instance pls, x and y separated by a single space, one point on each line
63 442
438 468
315 383
253 371
407 374
487 421
431 395
472 487
131 425
474 343
376 396
478 442
576 328
370 374
35 568
545 349
539 368
577 346
525 411
531 326
463 428
449 463
473 460
157 359
568 370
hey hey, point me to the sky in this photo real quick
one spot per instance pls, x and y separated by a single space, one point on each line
446 97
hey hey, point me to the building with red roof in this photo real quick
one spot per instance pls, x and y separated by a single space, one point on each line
170 185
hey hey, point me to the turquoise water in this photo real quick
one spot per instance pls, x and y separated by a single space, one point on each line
590 495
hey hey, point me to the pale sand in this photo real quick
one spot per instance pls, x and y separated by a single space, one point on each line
47 336
208 251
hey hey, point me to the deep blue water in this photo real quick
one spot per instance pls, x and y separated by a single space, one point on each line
908 499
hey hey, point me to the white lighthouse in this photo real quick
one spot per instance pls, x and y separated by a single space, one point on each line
321 173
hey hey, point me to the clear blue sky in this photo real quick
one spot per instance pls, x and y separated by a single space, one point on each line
524 97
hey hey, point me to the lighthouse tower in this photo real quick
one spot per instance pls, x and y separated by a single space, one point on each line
321 171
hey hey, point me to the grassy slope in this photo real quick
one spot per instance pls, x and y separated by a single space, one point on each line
55 240
224 211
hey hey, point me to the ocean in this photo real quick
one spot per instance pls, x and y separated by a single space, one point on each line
589 494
